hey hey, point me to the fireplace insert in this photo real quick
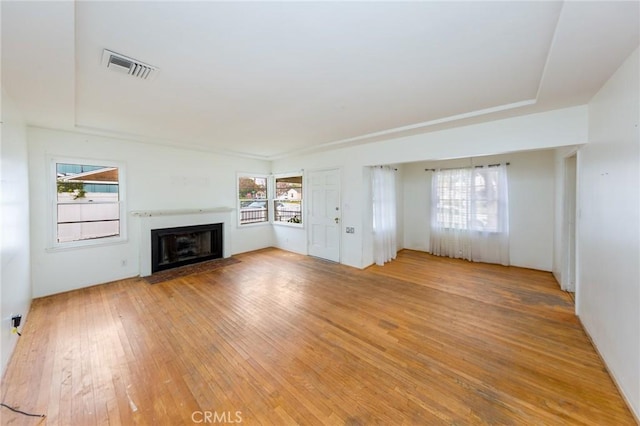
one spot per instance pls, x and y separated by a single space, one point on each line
173 247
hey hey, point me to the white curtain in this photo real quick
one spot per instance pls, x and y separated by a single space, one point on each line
383 185
470 214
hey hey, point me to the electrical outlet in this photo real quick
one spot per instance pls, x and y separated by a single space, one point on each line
15 321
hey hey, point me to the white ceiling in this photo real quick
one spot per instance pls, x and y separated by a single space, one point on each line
270 79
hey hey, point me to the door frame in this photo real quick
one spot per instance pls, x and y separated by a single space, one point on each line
569 260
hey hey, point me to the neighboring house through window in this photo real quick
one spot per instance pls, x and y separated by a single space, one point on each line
287 205
270 199
252 199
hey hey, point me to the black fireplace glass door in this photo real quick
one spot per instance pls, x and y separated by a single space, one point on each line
173 247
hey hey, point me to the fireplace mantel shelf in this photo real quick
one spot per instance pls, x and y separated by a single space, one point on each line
152 213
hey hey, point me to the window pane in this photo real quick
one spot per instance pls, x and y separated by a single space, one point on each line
485 217
80 231
87 212
288 211
252 188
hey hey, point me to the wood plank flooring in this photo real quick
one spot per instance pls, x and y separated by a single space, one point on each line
281 338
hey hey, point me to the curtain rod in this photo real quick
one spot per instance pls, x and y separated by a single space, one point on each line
475 167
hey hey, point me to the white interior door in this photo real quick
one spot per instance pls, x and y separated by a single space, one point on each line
324 214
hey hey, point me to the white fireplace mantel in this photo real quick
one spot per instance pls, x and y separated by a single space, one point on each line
158 219
155 213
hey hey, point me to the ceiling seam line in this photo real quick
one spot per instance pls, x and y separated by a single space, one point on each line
551 45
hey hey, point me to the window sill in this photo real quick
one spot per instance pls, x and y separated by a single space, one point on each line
76 245
252 225
289 225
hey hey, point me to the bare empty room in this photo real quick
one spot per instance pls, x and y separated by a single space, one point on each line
320 212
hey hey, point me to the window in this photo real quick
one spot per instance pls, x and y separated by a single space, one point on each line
287 205
468 199
88 202
252 199
270 199
470 214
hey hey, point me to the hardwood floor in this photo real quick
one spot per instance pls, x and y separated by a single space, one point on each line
281 338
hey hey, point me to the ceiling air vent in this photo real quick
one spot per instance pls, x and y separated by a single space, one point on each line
123 64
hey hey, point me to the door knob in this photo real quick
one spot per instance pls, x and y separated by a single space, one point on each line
337 219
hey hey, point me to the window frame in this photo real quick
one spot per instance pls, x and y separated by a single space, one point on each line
122 237
265 176
273 199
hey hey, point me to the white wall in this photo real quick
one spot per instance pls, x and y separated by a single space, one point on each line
157 178
536 131
16 269
608 288
417 212
531 205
